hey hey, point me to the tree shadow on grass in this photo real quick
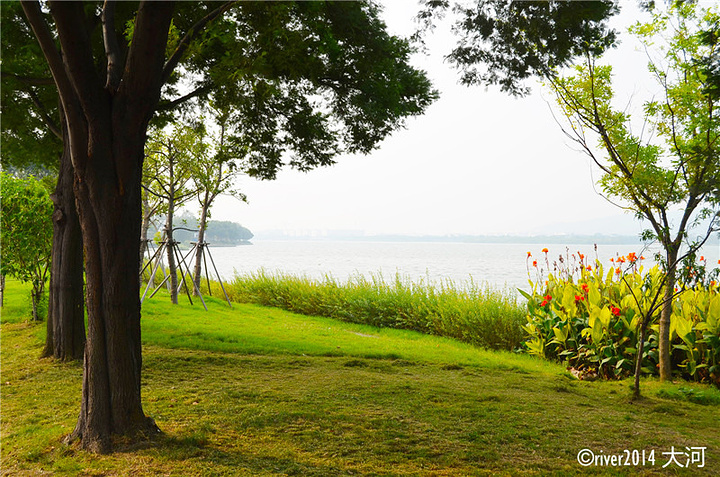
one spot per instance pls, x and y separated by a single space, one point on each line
196 447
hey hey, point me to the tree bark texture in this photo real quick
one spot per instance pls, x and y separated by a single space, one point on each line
65 339
107 128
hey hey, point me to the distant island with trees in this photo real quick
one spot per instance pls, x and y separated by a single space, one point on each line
221 233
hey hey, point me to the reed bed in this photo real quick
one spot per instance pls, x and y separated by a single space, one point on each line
478 314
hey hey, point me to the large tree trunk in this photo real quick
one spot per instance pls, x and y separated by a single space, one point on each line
664 344
65 339
107 123
110 211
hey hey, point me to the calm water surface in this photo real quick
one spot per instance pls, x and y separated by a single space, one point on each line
500 265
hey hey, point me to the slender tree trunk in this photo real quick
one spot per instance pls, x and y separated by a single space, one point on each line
2 289
201 245
34 300
65 338
172 266
144 242
639 358
664 334
144 229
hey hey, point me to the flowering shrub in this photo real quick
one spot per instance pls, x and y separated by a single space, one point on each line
590 318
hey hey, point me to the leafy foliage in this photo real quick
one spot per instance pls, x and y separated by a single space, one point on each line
30 126
503 42
26 227
299 82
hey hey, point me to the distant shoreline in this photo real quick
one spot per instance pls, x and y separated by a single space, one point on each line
486 239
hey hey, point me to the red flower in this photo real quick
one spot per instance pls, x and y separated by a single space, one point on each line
585 287
545 250
535 263
579 298
618 271
529 254
615 311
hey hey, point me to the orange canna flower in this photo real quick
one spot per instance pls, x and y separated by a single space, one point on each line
545 250
618 271
529 254
535 263
615 311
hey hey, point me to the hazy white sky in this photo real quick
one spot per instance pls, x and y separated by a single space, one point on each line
478 162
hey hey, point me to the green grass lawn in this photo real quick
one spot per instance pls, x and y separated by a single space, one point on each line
260 391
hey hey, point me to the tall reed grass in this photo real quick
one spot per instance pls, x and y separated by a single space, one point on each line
480 315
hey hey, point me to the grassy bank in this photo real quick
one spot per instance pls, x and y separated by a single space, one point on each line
479 315
260 391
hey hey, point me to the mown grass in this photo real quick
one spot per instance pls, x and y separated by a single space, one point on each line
285 395
479 315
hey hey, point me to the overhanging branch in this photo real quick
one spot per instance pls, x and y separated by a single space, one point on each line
166 106
184 44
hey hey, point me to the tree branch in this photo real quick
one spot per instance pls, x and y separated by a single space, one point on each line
52 126
166 106
184 44
28 80
141 78
77 55
112 48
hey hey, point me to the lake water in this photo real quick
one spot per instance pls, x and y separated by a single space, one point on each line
500 265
